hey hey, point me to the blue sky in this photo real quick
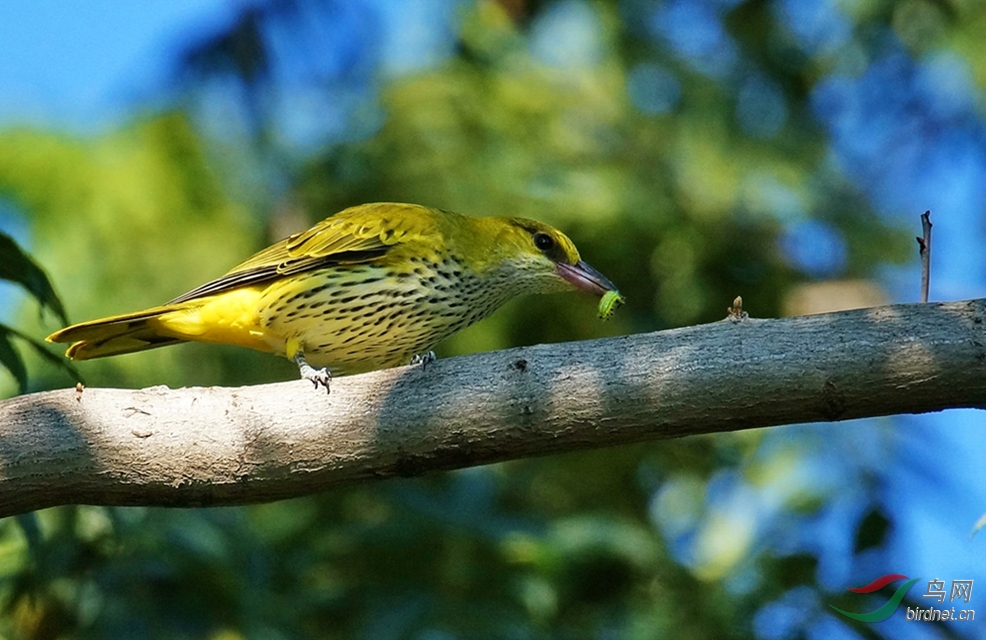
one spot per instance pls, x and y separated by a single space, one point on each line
81 63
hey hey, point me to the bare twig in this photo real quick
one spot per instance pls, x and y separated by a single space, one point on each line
223 446
924 243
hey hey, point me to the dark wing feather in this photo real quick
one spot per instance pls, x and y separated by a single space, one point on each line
269 273
356 235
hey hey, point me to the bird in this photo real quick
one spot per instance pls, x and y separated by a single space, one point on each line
374 286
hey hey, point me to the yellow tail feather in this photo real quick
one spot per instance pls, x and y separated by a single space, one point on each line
229 318
116 335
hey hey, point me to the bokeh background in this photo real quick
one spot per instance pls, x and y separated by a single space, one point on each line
781 150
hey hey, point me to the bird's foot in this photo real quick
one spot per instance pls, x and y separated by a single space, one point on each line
423 359
310 373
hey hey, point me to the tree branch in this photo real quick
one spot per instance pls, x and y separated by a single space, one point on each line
224 446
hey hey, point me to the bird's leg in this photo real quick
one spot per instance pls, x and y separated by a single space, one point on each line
424 359
308 372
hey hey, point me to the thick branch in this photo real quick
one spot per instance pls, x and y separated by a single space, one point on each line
222 446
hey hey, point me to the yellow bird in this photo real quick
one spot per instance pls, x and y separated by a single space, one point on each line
374 286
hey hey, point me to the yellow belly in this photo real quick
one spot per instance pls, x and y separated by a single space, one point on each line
349 320
350 324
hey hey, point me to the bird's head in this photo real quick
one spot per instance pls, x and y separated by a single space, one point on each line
542 259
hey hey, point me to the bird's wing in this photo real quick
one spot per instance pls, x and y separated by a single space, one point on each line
363 235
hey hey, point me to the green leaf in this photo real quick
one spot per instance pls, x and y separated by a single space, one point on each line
32 531
10 359
17 266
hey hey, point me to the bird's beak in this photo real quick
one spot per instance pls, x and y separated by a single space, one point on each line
584 277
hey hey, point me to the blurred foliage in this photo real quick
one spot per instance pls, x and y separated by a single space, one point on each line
126 221
685 197
17 267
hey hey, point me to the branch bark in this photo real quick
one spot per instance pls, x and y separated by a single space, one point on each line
223 446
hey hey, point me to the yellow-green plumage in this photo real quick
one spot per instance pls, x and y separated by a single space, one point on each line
369 287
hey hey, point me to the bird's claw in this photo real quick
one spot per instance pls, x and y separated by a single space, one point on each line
423 359
318 377
315 376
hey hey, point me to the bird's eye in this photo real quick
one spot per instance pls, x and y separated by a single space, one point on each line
543 241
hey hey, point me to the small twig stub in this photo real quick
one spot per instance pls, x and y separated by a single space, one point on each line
924 244
735 312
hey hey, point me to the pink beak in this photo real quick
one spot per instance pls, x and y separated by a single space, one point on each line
586 278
